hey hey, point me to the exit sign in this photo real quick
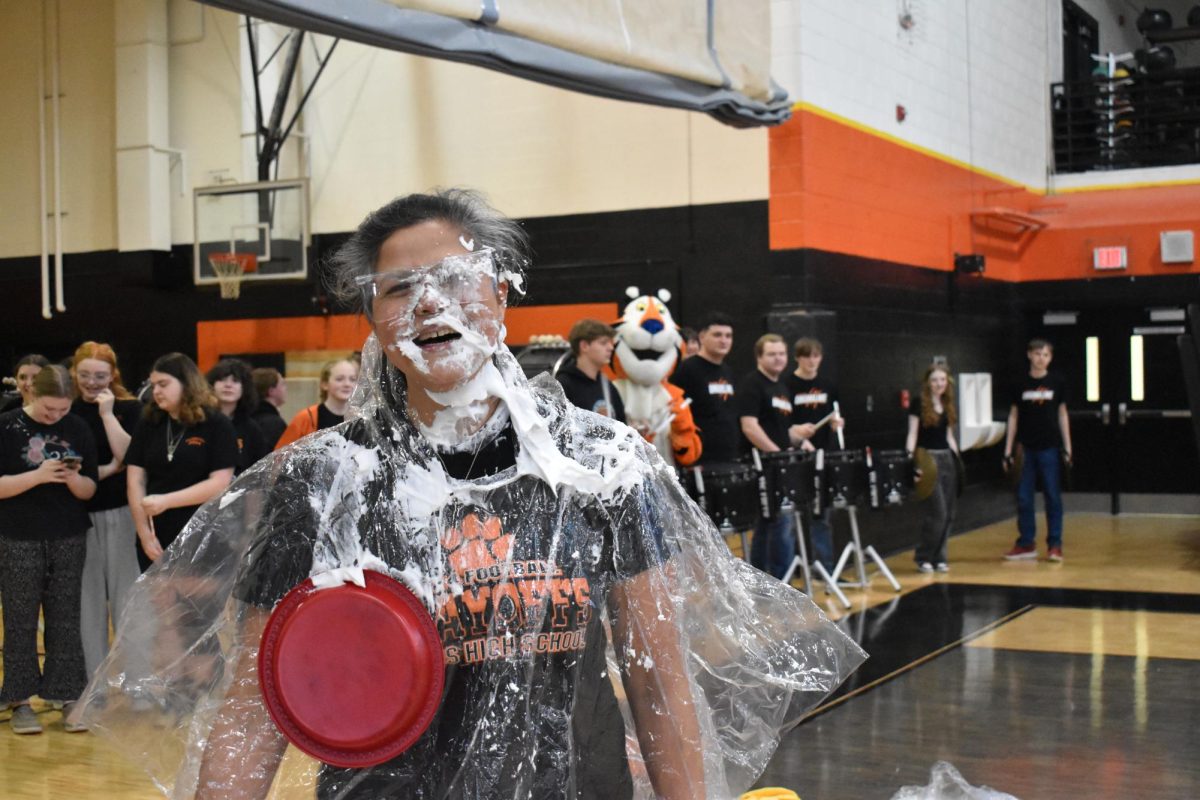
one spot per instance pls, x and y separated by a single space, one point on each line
1109 258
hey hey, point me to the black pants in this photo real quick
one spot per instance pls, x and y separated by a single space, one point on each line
46 574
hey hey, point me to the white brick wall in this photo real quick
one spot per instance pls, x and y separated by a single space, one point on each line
972 75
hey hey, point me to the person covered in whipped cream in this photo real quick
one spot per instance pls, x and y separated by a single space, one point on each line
599 640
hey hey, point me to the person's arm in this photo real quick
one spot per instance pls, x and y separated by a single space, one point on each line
49 471
118 439
110 469
135 491
1010 435
1064 427
195 495
244 748
659 690
800 433
914 423
757 437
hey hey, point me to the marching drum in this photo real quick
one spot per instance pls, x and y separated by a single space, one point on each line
843 477
788 477
727 494
891 479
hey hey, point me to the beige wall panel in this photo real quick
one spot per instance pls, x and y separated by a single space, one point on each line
86 77
20 48
384 123
205 94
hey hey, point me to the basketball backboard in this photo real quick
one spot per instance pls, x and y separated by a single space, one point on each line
267 220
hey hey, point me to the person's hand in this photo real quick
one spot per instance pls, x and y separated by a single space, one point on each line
1007 462
154 504
1067 457
808 446
803 431
837 422
104 401
150 546
52 470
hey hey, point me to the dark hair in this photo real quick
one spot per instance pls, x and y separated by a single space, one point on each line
588 330
761 344
240 370
265 379
32 358
929 417
688 334
716 318
1038 344
465 209
807 346
53 381
198 398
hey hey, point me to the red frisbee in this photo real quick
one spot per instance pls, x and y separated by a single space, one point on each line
351 676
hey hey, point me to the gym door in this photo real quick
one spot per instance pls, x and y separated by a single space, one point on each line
1130 423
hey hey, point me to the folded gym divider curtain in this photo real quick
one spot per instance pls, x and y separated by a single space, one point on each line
706 55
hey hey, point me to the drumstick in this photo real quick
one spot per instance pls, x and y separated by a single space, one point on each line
837 412
818 425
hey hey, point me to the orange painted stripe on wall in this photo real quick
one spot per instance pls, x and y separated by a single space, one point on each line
840 188
349 331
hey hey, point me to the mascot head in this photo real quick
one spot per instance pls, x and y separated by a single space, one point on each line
648 339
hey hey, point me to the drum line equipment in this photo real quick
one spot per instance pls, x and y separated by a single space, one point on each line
736 496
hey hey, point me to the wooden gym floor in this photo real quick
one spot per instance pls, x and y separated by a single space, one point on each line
1041 680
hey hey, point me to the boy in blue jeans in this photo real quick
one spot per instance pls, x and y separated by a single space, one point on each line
1038 421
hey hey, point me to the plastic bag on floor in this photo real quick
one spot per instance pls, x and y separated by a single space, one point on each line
945 783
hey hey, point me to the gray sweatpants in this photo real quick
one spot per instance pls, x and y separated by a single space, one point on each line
939 510
110 569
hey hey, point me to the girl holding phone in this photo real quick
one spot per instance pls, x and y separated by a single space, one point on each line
47 473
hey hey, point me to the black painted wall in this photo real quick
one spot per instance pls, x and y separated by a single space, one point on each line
890 319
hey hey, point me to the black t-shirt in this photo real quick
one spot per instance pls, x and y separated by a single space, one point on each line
326 418
110 493
270 421
770 403
931 438
251 443
202 449
710 387
48 510
1037 403
588 393
525 574
812 401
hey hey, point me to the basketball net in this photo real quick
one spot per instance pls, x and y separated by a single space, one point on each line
230 268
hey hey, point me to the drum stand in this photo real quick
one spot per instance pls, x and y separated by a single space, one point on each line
725 529
800 562
854 547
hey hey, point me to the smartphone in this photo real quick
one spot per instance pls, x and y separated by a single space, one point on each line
72 462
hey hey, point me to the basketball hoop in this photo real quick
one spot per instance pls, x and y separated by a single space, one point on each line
230 268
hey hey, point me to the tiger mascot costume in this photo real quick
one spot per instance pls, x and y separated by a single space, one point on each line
647 349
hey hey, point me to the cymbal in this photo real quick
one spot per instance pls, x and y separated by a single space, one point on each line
924 485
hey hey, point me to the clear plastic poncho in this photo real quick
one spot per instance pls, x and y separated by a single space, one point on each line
611 647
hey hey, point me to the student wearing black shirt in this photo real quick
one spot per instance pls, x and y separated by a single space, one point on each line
813 398
47 473
112 414
583 379
765 417
233 385
709 383
1038 422
182 454
272 394
932 428
338 379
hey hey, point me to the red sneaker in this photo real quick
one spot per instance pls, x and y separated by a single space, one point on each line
1055 555
1021 553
